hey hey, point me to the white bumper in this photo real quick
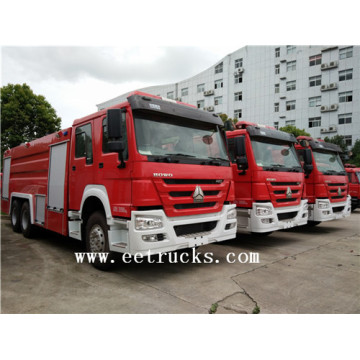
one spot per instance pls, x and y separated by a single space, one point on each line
324 210
126 238
276 219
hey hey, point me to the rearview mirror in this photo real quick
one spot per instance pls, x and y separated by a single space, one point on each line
308 166
240 153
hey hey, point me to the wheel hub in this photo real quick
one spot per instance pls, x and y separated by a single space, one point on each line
97 239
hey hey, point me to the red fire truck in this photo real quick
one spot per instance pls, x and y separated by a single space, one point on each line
269 179
353 174
326 185
145 175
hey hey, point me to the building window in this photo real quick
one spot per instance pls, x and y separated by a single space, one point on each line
290 49
185 92
219 68
345 96
238 96
276 107
201 88
218 84
346 75
345 119
291 85
314 122
346 52
170 95
315 60
290 105
348 140
276 125
315 81
238 63
218 100
290 122
277 88
277 52
291 65
238 114
277 69
200 104
315 101
238 79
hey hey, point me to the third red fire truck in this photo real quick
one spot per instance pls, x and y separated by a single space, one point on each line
353 174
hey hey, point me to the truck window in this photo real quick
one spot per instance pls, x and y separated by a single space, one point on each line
83 143
105 138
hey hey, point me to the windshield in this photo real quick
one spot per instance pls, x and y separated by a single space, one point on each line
172 139
329 163
358 176
275 157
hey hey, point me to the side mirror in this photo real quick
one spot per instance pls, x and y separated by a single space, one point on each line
240 153
308 166
113 118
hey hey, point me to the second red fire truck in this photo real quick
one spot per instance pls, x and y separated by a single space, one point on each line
353 174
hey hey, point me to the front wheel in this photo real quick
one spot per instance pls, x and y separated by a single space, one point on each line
15 216
313 223
97 241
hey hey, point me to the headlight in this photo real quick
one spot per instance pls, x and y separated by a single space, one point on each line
231 214
263 211
323 205
147 222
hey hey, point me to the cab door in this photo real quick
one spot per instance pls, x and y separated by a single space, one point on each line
82 169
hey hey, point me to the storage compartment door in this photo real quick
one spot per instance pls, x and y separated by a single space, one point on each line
6 178
57 177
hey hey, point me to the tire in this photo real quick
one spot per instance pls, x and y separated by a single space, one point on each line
25 221
313 223
15 216
262 234
97 240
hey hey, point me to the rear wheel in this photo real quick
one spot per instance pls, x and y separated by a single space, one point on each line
25 221
97 240
15 216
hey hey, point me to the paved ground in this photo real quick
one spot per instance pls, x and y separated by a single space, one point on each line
305 270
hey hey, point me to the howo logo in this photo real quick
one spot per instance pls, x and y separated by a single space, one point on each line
339 191
288 193
198 195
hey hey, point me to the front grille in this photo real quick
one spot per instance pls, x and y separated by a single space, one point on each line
337 197
336 184
286 200
338 209
192 181
285 183
279 192
288 215
189 193
182 230
335 191
194 206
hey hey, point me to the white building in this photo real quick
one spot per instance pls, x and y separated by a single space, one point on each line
316 88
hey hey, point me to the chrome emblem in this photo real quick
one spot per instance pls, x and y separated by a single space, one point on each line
288 193
339 191
198 195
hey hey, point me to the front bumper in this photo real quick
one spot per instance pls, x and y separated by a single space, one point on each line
278 219
324 210
125 237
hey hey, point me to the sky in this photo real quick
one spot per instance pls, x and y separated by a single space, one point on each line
76 78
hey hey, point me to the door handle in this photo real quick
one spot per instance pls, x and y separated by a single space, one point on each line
101 165
73 168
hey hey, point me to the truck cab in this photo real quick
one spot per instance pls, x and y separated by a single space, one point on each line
353 174
326 185
269 179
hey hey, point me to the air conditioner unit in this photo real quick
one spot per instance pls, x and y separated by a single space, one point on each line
240 70
323 108
210 108
209 92
178 99
322 131
332 128
334 107
323 87
333 86
324 66
333 64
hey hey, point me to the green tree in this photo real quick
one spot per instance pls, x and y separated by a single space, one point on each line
25 116
291 129
355 157
338 140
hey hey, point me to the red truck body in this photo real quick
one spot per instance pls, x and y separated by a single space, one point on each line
269 190
152 197
326 187
353 174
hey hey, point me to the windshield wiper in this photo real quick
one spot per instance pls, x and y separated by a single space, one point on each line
180 154
218 158
273 167
295 169
330 172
